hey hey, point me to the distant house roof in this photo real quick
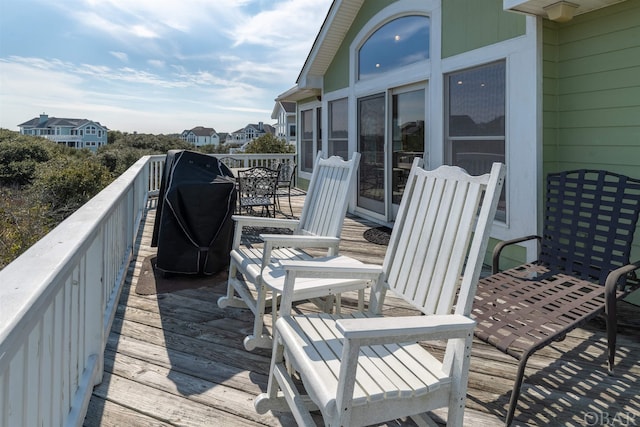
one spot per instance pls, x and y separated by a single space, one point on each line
203 131
257 127
47 122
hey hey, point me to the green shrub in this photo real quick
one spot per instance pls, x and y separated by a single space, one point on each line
23 221
65 184
214 149
269 143
19 159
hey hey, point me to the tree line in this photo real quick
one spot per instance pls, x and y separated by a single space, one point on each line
42 183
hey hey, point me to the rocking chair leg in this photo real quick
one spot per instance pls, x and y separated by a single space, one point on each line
225 301
258 339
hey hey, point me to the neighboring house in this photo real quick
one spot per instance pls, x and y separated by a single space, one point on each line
241 137
199 136
74 133
469 83
285 115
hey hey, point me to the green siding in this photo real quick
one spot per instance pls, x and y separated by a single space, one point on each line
302 183
591 88
468 25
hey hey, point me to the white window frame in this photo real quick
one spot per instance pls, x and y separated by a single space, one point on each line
523 128
450 140
317 141
414 75
329 123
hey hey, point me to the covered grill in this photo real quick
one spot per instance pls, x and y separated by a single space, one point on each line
193 227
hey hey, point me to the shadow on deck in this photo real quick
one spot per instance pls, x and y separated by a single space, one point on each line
177 359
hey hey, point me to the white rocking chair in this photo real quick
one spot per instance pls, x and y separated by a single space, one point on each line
362 369
319 226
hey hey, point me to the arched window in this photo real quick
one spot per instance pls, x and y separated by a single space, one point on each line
396 44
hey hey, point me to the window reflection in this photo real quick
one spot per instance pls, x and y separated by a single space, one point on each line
407 137
306 142
396 44
338 134
476 121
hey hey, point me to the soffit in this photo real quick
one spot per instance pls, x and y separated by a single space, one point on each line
537 7
297 94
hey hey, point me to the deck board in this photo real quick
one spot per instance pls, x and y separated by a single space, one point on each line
177 359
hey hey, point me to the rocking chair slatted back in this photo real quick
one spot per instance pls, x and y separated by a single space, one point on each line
428 245
326 202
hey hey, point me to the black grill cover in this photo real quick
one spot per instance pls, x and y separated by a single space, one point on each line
193 227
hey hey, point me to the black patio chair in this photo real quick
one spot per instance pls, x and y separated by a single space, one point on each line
582 270
257 188
286 176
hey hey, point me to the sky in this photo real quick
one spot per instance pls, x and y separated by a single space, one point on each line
152 66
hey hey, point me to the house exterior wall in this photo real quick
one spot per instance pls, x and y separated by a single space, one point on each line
285 125
460 39
572 90
200 140
592 93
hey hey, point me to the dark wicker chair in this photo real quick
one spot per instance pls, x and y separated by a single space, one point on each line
257 187
583 269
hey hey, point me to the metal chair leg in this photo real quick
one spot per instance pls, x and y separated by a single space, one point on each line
515 393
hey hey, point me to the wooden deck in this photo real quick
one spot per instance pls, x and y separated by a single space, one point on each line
176 359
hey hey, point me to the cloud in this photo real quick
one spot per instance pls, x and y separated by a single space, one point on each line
156 63
285 25
126 98
157 66
120 55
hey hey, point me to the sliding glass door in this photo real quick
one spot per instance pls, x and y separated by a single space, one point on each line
391 133
407 138
371 138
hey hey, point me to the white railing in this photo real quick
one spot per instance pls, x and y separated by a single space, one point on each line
58 301
251 160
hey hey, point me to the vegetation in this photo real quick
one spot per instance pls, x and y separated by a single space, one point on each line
124 149
269 143
42 183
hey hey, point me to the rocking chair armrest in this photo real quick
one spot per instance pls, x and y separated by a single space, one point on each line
300 241
297 241
497 250
256 221
615 275
347 272
316 268
381 330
